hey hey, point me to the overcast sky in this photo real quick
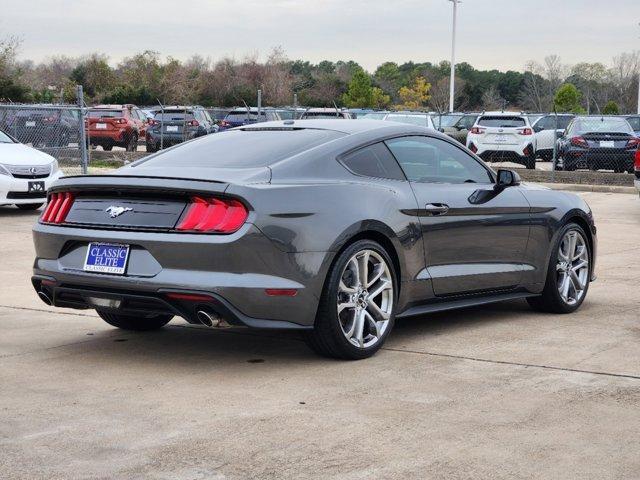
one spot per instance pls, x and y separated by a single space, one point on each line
500 34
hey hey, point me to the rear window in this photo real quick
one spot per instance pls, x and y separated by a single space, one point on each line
173 116
502 122
601 124
106 114
244 115
241 148
421 120
446 120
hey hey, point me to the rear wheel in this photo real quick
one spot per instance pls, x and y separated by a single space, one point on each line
107 148
136 323
132 143
568 274
356 311
152 147
29 206
530 162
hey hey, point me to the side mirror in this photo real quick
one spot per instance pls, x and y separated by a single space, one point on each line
441 130
507 178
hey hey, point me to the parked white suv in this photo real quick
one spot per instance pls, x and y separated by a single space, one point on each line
545 130
503 137
25 174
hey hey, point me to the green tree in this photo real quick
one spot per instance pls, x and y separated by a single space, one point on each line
416 96
567 99
611 108
359 94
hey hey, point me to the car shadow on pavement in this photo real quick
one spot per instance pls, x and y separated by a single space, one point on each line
12 211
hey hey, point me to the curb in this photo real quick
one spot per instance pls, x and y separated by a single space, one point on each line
577 187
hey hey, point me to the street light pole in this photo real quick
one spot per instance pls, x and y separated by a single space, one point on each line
452 88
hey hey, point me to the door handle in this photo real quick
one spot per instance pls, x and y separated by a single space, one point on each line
437 208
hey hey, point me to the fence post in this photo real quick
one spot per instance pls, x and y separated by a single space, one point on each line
259 105
554 159
84 154
295 106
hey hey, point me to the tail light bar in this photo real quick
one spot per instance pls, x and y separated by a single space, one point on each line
579 142
636 164
477 130
193 123
526 131
213 215
57 208
633 142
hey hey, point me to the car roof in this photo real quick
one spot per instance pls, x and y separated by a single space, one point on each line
340 125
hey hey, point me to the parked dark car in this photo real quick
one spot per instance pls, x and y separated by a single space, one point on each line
460 128
174 125
327 227
45 126
116 125
243 116
607 143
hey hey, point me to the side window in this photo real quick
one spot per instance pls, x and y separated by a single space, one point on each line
468 122
373 161
426 159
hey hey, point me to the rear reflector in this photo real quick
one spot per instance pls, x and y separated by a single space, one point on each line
57 208
213 215
189 297
281 292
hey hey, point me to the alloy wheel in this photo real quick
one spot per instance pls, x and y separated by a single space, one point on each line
572 267
365 298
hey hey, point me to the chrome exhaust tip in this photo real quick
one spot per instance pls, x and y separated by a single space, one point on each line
45 298
207 318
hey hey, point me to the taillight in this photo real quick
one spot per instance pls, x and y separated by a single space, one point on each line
633 142
636 164
473 148
57 208
477 130
193 123
224 123
579 142
526 131
153 122
121 121
213 215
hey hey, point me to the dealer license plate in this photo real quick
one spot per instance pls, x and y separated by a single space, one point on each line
101 126
172 128
106 258
607 144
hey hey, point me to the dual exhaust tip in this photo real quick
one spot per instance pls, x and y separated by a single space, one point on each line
211 319
45 298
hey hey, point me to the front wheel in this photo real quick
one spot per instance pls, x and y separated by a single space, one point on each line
568 273
356 311
132 143
135 323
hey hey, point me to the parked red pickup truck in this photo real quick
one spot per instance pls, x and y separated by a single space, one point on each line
116 125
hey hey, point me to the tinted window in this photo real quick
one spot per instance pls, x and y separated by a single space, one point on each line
374 161
426 159
549 123
467 122
635 123
241 148
502 121
177 115
445 120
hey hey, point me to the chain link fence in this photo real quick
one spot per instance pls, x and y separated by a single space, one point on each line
57 130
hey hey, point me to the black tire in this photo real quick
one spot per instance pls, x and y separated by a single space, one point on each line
327 337
107 148
135 323
29 206
152 147
530 163
132 143
551 301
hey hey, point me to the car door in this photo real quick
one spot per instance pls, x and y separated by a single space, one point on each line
475 237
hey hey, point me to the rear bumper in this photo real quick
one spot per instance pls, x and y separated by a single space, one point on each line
99 137
608 159
234 269
154 138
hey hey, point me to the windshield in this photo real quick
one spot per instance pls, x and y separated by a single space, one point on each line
105 113
4 138
502 122
241 148
601 124
635 123
446 120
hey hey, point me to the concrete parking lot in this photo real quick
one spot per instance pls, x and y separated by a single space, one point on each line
493 392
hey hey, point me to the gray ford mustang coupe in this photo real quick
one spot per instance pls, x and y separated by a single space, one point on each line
330 227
